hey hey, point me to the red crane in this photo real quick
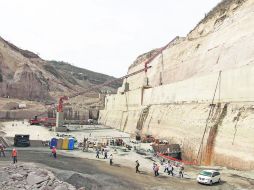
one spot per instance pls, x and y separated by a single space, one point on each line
60 103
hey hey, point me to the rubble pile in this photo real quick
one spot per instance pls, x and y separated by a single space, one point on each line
29 177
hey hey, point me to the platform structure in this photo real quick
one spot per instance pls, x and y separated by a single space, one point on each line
59 123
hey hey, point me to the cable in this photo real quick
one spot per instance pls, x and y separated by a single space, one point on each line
210 111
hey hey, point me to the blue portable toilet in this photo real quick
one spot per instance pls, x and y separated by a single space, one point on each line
71 144
53 142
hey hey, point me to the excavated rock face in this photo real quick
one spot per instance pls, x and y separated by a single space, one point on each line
213 45
34 84
19 77
27 84
144 57
5 72
215 18
182 89
1 72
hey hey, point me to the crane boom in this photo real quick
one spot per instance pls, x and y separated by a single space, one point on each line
108 82
60 103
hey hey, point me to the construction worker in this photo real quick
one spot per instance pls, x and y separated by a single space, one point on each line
170 168
165 167
14 155
137 166
2 150
156 169
105 154
181 171
111 159
54 152
97 153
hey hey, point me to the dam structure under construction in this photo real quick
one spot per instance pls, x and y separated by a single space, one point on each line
197 91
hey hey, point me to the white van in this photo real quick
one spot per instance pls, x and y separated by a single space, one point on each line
209 177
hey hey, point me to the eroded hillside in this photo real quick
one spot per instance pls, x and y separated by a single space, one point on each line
25 75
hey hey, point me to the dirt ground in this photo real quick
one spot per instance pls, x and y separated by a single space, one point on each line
97 175
83 169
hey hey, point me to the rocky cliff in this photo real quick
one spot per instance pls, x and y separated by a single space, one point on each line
25 75
198 92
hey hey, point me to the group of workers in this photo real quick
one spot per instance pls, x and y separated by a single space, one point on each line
105 154
169 168
14 153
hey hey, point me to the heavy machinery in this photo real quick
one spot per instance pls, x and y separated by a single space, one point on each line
21 140
35 121
60 103
45 121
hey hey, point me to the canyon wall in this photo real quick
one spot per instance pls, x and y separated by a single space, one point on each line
199 91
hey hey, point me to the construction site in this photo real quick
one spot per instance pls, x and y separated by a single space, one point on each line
188 106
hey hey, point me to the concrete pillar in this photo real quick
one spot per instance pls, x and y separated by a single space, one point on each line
59 119
59 123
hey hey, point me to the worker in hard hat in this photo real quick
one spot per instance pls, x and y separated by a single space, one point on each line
97 153
111 159
54 151
14 155
2 150
137 166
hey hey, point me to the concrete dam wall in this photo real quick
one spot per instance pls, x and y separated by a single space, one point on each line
173 100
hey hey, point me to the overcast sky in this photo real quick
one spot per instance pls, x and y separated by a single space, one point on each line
101 35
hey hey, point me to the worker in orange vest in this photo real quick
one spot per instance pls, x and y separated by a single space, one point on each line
14 155
54 151
2 147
